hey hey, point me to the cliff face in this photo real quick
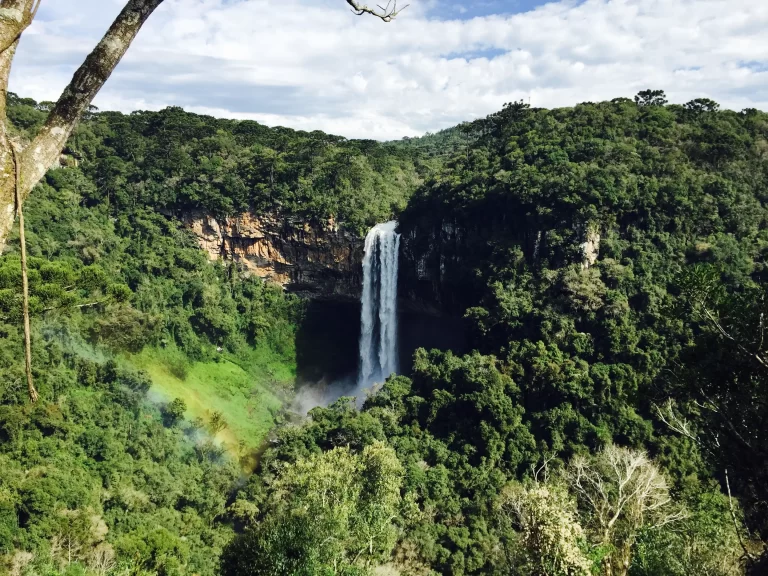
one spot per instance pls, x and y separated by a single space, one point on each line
428 262
440 257
315 259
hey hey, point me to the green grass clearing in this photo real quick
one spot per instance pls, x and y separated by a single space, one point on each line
243 389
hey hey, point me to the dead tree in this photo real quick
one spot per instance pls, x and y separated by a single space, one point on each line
622 491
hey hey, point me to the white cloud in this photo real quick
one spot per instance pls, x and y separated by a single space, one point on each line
310 64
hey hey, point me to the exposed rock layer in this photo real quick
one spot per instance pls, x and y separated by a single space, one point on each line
318 259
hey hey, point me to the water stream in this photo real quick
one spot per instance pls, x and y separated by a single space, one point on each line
378 318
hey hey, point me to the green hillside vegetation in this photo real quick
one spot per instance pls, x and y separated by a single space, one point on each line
609 406
175 161
249 401
96 479
442 144
160 375
115 285
644 368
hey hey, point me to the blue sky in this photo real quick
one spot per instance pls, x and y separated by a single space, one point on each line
466 10
311 64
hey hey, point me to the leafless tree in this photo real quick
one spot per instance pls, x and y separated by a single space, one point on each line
622 491
102 559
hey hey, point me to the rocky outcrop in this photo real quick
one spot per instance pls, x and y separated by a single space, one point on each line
318 259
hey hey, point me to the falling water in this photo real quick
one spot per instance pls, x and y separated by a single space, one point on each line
378 319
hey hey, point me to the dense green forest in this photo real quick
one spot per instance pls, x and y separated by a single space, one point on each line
612 419
178 162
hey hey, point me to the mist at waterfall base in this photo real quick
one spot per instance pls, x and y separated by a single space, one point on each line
344 348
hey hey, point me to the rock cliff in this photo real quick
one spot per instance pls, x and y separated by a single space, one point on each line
318 259
441 256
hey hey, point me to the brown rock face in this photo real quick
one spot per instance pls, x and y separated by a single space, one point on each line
315 259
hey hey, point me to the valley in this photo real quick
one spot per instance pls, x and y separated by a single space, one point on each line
543 302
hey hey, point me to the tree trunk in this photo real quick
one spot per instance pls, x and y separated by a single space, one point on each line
45 149
13 20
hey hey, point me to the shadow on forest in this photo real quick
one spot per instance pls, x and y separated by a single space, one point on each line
327 346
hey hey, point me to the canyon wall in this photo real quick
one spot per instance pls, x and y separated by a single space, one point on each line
316 259
321 260
441 257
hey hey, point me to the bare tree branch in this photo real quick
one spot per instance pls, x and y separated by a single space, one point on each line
544 468
16 16
725 334
624 492
675 422
386 13
86 305
747 554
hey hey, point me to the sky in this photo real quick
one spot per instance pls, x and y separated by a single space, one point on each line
313 65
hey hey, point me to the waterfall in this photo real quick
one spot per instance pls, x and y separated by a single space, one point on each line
378 318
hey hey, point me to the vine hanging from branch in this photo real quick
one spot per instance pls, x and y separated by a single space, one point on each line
386 13
33 395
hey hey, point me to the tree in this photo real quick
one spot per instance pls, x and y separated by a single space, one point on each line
651 98
330 513
33 159
174 411
719 390
622 491
700 105
216 423
551 538
704 543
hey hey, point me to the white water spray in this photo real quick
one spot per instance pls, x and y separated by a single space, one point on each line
378 319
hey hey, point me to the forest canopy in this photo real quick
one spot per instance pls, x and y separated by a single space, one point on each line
609 259
176 161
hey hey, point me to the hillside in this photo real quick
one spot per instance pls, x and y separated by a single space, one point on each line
179 162
608 259
611 260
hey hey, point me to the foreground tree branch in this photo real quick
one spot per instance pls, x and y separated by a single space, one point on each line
45 149
386 13
15 17
86 83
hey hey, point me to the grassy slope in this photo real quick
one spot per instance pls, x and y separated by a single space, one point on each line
245 390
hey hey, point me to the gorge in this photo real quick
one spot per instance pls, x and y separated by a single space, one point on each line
545 299
323 261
